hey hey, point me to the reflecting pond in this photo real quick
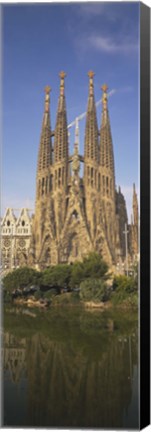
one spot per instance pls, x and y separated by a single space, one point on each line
70 368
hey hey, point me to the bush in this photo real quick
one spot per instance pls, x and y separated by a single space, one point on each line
93 266
50 294
125 290
125 283
94 290
58 275
20 278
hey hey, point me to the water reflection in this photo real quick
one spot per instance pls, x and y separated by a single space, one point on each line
78 372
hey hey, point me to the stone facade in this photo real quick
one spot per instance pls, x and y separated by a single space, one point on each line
74 215
15 238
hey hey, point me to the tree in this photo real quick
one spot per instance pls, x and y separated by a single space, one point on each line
57 276
93 290
93 266
21 277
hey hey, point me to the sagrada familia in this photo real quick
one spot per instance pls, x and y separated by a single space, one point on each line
74 214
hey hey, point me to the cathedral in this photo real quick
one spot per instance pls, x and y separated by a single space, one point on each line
76 214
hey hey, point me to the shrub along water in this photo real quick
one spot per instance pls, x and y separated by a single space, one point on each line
90 276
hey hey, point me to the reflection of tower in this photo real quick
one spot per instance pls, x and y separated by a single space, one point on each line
14 357
83 397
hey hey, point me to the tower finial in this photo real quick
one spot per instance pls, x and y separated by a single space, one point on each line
47 89
62 75
104 88
133 187
91 74
47 100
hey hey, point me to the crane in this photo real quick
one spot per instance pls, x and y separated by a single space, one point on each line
81 116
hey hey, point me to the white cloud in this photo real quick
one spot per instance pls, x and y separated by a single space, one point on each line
110 45
92 9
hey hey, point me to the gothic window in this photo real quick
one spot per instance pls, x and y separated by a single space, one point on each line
103 178
43 182
8 223
75 215
50 183
107 186
63 176
46 186
92 177
99 182
88 175
23 223
39 187
59 177
111 187
55 179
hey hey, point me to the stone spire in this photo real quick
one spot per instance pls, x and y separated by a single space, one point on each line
45 148
135 206
91 131
106 146
61 134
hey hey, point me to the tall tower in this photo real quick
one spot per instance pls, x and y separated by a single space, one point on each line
133 228
106 177
135 206
122 219
45 152
91 159
43 184
61 158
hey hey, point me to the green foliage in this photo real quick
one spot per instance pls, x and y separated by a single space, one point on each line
125 283
125 290
20 278
69 298
38 294
50 294
93 266
58 275
94 290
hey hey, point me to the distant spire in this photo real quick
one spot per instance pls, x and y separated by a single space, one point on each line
91 130
61 134
135 206
106 146
45 148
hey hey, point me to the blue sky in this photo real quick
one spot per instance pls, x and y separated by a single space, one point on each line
38 42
